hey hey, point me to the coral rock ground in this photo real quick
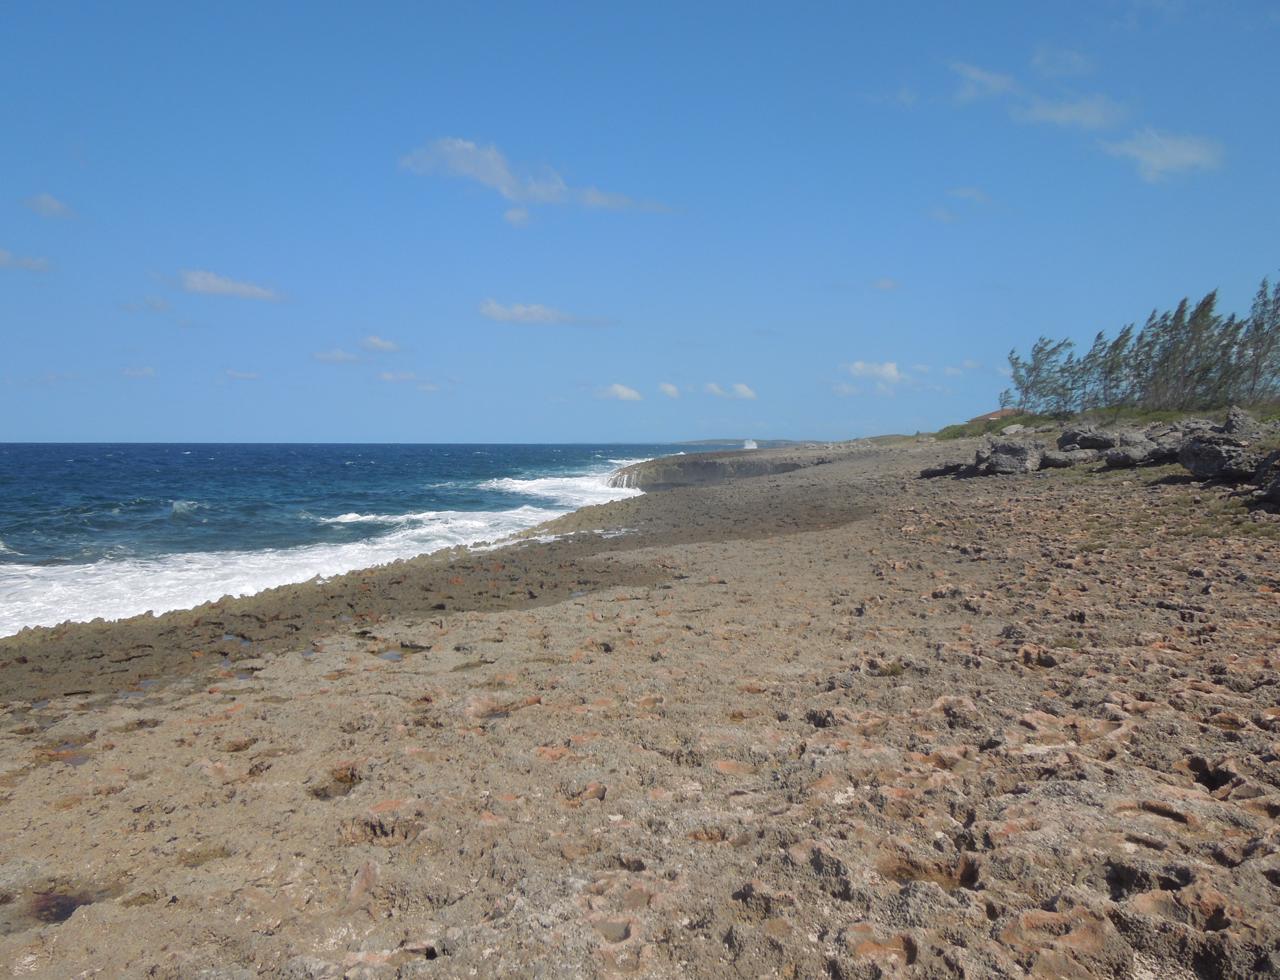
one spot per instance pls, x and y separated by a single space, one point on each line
834 723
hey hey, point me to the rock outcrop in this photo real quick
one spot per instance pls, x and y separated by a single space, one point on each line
703 469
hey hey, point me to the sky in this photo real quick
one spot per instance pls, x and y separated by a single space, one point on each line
325 222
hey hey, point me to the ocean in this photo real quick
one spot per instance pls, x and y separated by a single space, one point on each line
111 531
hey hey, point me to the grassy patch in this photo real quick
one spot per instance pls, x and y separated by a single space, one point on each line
981 428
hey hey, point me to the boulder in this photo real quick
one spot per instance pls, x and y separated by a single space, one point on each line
1013 430
1085 437
1135 452
1064 458
1218 456
1240 423
1009 456
1267 477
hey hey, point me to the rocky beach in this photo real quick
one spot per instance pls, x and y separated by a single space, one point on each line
795 713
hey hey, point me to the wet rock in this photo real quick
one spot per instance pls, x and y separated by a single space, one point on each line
1218 456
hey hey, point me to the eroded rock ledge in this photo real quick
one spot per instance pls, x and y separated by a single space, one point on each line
701 469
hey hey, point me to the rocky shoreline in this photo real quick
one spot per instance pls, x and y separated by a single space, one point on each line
836 721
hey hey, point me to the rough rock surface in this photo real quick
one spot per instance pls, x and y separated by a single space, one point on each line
1007 456
1063 458
838 722
1085 437
701 469
1218 456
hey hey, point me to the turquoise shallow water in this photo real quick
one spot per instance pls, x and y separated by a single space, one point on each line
115 530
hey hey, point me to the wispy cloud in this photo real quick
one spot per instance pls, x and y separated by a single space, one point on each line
242 375
48 206
668 389
738 390
335 356
212 284
886 371
8 260
489 167
621 393
844 389
526 313
1060 62
944 216
1089 112
139 372
885 284
1159 154
979 83
975 194
396 377
380 344
427 387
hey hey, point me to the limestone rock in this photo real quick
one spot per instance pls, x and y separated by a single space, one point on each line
1218 456
1010 456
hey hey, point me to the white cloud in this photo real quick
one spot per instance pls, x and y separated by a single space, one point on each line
921 368
48 206
139 372
952 372
335 356
1160 154
242 375
944 216
975 194
844 389
428 387
886 372
396 377
886 284
10 261
622 393
978 83
210 283
1090 112
381 344
523 313
668 389
738 390
969 364
489 167
1060 62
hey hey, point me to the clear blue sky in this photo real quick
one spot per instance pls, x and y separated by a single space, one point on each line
578 222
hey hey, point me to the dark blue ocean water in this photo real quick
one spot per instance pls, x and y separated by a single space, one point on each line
114 530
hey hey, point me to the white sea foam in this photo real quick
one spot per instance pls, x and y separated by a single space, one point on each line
569 492
45 595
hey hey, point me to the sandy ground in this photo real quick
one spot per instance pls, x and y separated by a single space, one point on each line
840 722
